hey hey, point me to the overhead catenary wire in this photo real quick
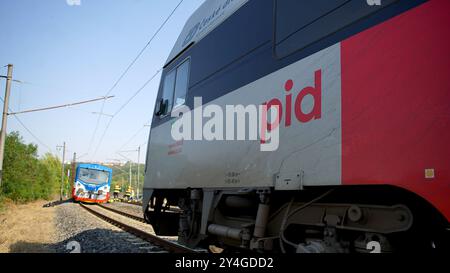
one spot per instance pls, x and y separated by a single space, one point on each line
122 107
29 131
33 135
144 144
126 71
11 112
132 137
19 99
60 106
118 168
143 49
5 77
137 92
69 105
147 124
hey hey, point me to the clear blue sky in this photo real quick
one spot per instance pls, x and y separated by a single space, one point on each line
72 53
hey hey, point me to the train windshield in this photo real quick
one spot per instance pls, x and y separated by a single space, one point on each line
93 176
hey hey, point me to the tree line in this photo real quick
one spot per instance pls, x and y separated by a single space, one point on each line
26 177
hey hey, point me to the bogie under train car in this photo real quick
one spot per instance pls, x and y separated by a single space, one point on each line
92 183
362 97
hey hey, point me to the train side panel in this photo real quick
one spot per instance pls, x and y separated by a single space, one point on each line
311 147
395 104
383 118
364 130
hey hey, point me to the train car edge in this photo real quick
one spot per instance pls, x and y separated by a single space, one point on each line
370 162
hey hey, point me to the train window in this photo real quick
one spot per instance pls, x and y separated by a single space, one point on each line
93 176
175 87
169 85
181 84
299 23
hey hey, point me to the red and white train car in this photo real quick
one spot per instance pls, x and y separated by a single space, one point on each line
363 96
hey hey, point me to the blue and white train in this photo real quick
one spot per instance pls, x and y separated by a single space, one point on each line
92 183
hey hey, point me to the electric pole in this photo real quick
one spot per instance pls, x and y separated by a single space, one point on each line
131 165
68 184
137 186
62 170
4 119
130 174
74 163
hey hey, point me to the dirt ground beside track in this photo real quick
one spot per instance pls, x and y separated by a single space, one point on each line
27 228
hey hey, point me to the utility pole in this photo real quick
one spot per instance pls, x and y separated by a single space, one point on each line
62 170
131 165
130 174
74 164
68 184
4 120
137 186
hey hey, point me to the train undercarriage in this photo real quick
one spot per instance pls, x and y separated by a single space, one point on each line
315 220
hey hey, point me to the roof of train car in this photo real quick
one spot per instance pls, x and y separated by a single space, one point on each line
205 19
94 166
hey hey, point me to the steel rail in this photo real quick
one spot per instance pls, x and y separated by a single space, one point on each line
153 239
134 217
171 209
133 203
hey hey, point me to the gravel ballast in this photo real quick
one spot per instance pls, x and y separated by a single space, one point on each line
125 207
74 226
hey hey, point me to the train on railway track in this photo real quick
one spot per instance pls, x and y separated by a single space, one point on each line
92 183
351 104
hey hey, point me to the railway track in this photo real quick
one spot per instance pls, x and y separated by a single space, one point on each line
136 203
151 238
131 203
134 217
175 209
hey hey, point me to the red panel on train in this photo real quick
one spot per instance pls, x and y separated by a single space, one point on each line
396 104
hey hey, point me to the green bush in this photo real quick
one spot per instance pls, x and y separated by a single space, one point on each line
25 176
